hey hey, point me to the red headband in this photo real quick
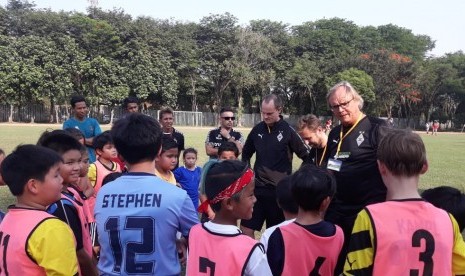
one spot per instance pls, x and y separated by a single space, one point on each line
232 189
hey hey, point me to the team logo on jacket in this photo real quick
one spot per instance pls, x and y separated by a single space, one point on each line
260 135
280 136
360 139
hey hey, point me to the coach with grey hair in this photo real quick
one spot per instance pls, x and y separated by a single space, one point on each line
351 156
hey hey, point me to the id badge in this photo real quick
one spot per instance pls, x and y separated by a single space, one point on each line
334 165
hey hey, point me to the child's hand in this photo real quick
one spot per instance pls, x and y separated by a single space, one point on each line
181 246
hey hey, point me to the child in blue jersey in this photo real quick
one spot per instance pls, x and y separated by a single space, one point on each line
138 214
188 176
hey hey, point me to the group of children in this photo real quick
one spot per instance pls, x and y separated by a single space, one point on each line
144 224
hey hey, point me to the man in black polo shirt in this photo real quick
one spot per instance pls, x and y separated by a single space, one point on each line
216 137
273 141
166 118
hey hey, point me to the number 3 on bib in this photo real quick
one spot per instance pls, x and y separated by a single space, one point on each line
426 256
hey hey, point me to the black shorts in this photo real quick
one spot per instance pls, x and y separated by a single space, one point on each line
266 209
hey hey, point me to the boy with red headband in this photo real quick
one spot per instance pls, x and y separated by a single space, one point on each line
218 246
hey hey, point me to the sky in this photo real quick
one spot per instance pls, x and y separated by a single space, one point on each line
442 20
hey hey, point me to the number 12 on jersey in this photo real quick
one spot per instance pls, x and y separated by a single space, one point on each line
145 246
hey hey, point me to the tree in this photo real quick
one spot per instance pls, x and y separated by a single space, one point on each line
393 74
216 38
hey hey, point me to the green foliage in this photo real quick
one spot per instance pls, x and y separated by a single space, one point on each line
106 55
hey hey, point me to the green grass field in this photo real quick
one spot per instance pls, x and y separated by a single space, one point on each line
446 153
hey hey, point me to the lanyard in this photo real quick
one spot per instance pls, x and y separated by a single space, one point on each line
322 156
350 130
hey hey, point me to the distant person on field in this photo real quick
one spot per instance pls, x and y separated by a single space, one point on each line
167 160
311 130
224 133
435 127
449 199
130 105
188 176
137 231
166 119
33 241
287 203
89 126
404 235
218 247
427 127
309 245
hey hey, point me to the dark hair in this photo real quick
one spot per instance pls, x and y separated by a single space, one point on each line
2 152
163 111
284 195
278 103
168 143
137 137
27 162
101 140
311 185
449 199
59 141
226 109
217 176
128 100
111 177
402 151
228 146
75 132
77 99
189 150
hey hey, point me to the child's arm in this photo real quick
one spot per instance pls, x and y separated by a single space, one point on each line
458 251
86 188
85 263
359 258
57 257
210 212
92 174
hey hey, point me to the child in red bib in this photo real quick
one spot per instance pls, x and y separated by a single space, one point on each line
309 245
218 247
34 242
404 235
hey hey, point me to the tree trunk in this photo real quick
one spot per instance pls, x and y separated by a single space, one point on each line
240 107
10 116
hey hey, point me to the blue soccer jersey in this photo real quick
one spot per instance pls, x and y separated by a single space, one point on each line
137 217
89 128
189 181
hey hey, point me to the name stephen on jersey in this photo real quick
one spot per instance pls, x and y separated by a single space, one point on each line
131 200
